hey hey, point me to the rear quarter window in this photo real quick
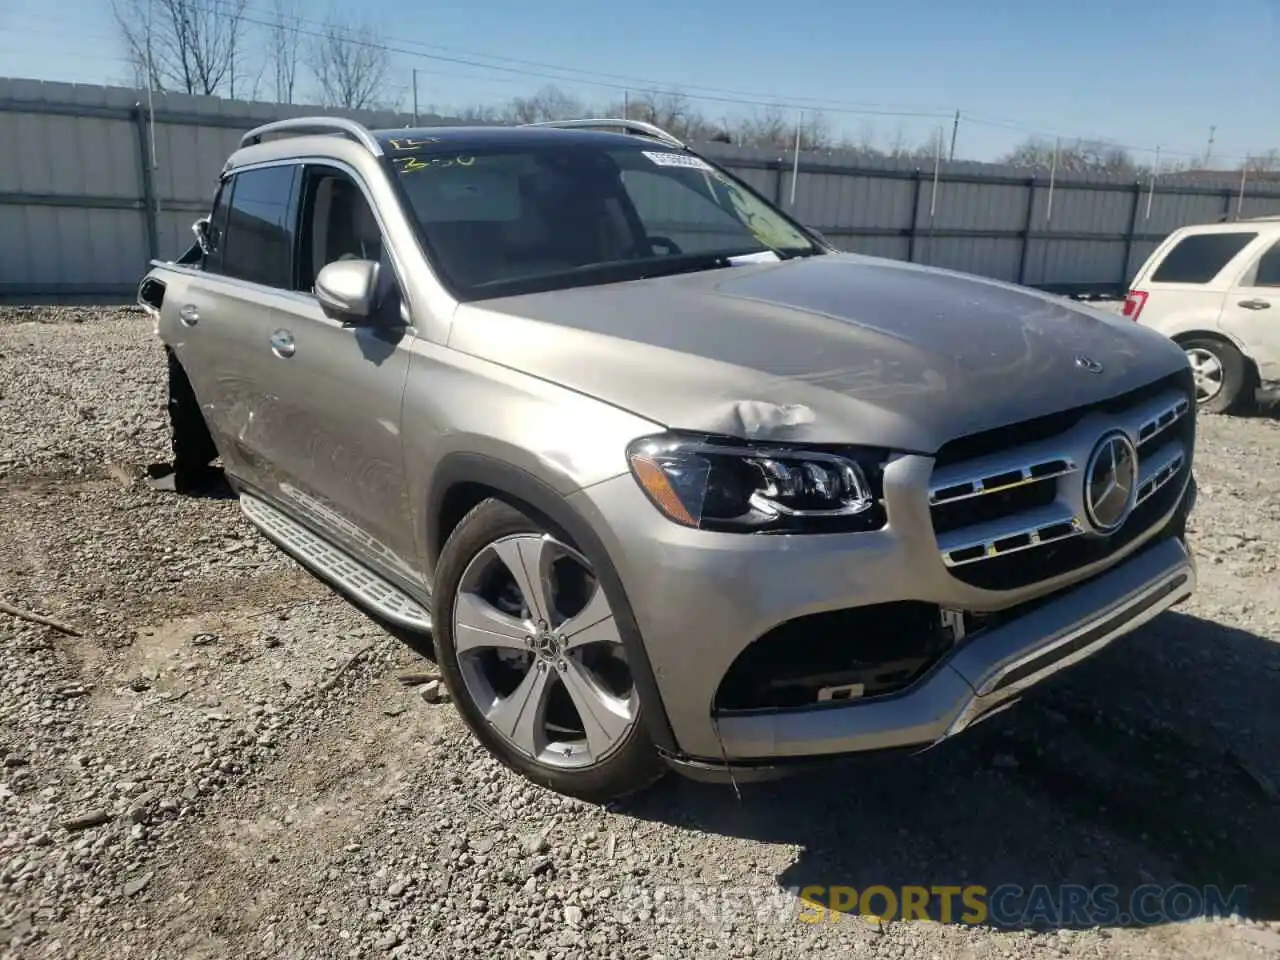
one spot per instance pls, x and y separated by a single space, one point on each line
1200 257
1267 273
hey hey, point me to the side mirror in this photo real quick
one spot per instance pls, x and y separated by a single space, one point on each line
201 229
346 289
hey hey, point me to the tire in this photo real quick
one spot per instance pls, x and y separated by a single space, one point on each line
576 660
1223 380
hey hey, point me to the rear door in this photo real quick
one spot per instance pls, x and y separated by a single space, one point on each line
1251 313
1184 284
226 311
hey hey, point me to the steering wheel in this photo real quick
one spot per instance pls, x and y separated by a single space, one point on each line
672 248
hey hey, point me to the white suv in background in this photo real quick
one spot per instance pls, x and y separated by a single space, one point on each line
1215 290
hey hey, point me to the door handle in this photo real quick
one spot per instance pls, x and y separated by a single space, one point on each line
1255 304
189 315
282 344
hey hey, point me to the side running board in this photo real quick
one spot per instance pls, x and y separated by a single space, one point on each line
365 587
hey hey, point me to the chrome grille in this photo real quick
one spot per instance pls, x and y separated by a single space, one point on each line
1026 502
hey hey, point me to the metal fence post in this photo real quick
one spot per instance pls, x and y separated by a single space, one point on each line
1227 197
1026 230
1130 236
148 185
917 186
777 182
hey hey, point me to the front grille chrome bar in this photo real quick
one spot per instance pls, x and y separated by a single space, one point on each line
1159 469
1019 466
996 480
1162 421
1012 534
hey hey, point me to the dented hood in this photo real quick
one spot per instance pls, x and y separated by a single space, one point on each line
827 349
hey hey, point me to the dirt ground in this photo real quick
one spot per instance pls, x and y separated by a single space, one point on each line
227 763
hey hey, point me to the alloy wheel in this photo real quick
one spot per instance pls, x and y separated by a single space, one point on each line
540 653
1206 368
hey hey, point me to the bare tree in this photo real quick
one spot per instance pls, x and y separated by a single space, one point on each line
475 113
766 128
191 46
548 103
285 46
671 111
350 62
1080 156
1267 162
898 143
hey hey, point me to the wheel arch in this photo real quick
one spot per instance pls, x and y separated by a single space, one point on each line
464 480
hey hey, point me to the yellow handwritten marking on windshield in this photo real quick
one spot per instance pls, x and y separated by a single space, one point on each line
412 144
414 164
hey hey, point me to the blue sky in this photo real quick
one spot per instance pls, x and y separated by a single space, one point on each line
1141 74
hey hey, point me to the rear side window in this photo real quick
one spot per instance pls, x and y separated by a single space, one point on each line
257 241
1268 273
1200 257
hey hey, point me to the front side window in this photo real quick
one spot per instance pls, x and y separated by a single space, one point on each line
257 241
1200 257
508 220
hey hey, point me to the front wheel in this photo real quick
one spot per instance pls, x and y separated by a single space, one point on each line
1221 374
532 655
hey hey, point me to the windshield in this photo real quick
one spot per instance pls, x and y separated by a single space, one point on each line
518 219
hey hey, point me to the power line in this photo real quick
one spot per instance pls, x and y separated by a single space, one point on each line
627 84
623 82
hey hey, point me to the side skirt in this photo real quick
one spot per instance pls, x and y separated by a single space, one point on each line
330 563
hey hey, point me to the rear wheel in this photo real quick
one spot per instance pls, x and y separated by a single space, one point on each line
532 655
1221 374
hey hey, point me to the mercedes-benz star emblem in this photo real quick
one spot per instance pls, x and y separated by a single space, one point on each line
1111 482
1088 364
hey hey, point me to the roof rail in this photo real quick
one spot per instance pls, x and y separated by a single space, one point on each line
301 126
627 126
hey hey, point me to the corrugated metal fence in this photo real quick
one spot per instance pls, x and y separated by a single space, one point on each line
83 207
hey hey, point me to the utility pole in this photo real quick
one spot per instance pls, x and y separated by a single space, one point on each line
415 96
626 104
1208 152
955 129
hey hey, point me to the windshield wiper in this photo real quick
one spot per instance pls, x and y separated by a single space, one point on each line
689 264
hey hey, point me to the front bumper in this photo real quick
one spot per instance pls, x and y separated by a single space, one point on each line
982 675
699 599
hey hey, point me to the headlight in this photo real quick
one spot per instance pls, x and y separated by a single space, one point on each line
732 485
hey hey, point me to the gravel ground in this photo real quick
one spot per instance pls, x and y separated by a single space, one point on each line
228 763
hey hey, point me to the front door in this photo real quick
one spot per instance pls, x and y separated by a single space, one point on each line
336 391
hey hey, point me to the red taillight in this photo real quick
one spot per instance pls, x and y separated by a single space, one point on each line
1134 302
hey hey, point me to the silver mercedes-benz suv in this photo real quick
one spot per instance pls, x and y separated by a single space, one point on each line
671 481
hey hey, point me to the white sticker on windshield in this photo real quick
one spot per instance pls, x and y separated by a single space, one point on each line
677 160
